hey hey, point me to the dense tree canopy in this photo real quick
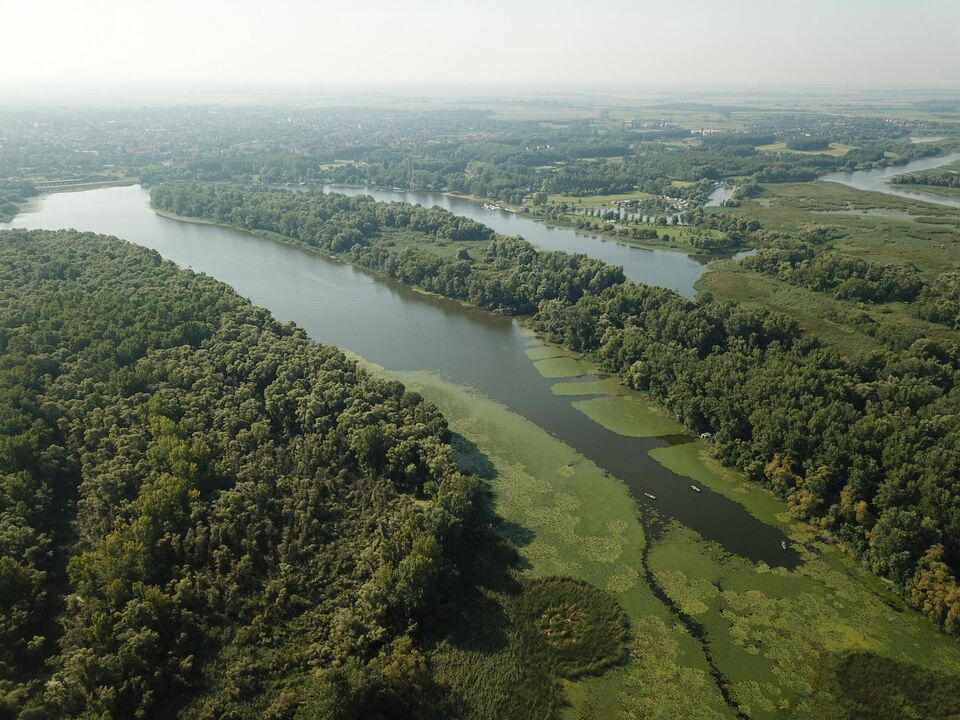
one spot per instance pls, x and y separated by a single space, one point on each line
846 277
203 514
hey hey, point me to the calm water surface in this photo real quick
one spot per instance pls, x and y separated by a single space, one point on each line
879 180
399 329
662 268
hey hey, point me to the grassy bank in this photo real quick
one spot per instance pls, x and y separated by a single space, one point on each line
883 228
779 636
567 517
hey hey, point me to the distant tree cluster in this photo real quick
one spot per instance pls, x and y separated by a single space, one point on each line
947 180
846 277
12 194
807 143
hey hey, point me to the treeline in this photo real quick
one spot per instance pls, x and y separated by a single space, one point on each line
940 301
338 219
845 277
504 274
948 180
203 514
867 448
12 194
807 143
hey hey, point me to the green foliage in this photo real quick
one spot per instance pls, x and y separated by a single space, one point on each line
12 194
509 275
203 514
848 278
946 180
867 449
181 473
571 626
871 687
940 301
790 414
807 143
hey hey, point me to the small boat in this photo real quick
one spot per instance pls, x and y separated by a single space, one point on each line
783 544
694 487
652 497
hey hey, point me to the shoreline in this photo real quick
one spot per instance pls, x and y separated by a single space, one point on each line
382 277
687 250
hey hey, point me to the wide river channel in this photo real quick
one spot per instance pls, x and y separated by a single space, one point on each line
400 329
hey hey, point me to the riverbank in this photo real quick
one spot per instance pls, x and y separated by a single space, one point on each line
33 202
333 257
775 636
567 222
660 265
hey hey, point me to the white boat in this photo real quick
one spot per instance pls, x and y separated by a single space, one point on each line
694 487
783 544
652 497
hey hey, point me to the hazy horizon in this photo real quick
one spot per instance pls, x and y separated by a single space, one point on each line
688 44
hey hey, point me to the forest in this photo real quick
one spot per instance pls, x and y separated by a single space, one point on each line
865 448
940 301
476 152
204 514
12 195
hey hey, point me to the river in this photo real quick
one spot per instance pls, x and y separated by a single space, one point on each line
662 268
400 329
879 180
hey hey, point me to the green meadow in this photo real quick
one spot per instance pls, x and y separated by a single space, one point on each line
884 228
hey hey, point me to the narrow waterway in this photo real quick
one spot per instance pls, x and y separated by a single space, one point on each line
400 329
662 268
879 180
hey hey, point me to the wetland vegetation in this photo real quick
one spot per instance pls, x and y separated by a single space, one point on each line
746 377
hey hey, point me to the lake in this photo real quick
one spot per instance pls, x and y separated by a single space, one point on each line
400 329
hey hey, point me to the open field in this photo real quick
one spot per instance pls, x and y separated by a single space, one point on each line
882 228
835 149
596 200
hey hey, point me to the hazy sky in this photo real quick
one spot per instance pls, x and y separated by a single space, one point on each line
642 42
